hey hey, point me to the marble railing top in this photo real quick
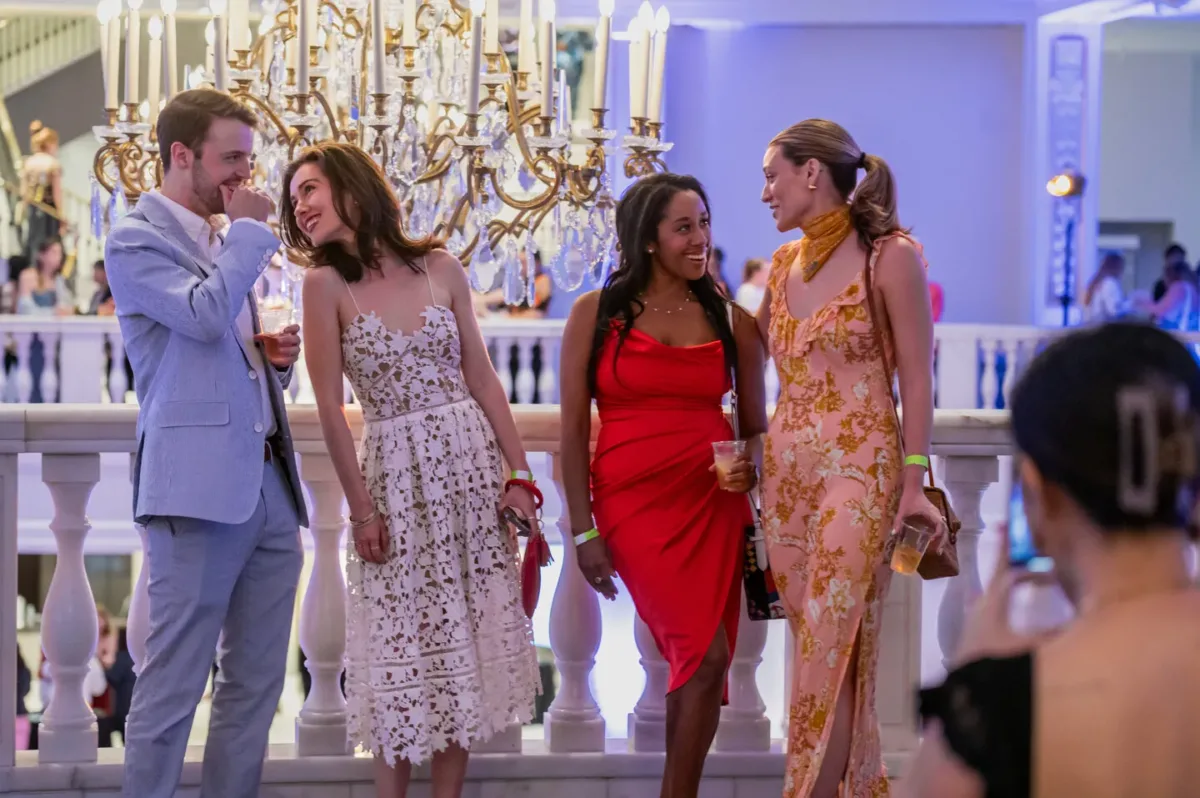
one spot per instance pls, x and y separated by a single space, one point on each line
502 326
86 428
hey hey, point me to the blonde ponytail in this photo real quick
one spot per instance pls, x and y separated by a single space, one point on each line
872 201
873 206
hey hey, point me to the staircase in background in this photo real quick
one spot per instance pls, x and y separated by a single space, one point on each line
33 46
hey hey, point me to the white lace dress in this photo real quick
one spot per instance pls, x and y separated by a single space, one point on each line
438 649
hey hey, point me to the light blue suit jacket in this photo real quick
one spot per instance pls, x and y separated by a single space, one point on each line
201 428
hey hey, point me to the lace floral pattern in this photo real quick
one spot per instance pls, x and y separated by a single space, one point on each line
438 649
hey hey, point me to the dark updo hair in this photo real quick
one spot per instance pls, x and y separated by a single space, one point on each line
1111 415
639 212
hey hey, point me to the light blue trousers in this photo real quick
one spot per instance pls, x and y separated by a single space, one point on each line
227 589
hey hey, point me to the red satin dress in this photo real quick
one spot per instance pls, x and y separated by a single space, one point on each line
675 538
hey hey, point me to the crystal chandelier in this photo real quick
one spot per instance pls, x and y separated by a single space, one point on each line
480 151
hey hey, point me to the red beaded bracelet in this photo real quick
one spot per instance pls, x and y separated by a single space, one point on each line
531 487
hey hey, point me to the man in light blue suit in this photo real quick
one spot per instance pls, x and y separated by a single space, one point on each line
215 476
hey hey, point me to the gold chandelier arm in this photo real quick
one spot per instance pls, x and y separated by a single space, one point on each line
329 114
546 196
105 157
286 134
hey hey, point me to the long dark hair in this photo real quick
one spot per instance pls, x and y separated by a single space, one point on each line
640 210
353 178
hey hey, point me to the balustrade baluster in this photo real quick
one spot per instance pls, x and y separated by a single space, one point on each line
69 624
49 381
118 383
648 721
547 380
957 369
23 341
574 722
966 478
321 726
525 378
989 384
503 363
744 724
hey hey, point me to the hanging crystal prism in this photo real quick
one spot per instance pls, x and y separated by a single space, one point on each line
97 209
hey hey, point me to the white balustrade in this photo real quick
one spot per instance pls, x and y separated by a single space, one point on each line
744 724
69 624
118 379
976 364
648 722
321 727
574 722
965 477
967 445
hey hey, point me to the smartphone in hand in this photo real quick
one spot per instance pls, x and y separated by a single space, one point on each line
1022 551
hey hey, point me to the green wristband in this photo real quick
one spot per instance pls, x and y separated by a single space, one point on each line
584 537
917 460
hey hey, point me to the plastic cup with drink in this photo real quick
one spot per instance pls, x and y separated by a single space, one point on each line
915 536
725 456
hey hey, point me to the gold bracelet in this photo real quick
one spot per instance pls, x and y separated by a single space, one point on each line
363 522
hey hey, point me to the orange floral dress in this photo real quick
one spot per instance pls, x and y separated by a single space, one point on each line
831 478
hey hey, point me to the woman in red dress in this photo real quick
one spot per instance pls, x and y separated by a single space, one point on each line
656 349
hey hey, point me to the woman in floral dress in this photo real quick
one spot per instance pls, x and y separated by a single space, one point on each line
835 480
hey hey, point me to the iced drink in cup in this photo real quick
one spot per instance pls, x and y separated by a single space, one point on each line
915 535
725 457
274 313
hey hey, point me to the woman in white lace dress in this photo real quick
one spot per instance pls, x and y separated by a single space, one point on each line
439 653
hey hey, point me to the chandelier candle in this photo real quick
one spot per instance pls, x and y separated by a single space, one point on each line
170 47
378 40
109 15
549 50
133 40
154 68
306 39
662 22
220 40
476 58
492 32
603 36
239 25
526 59
409 35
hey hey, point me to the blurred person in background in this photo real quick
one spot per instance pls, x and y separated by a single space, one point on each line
754 285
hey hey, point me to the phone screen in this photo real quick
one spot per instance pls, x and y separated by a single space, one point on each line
1022 552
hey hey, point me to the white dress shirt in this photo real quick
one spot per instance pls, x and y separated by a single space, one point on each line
209 243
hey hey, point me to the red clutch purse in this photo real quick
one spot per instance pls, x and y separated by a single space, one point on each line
537 556
537 550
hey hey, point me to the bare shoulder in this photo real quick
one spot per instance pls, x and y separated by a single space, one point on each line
743 323
585 309
443 267
901 253
321 279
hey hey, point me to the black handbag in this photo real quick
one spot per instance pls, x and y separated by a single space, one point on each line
762 596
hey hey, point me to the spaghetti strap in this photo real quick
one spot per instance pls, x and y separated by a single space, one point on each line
357 309
428 280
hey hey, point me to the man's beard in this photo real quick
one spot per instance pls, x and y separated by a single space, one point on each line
208 192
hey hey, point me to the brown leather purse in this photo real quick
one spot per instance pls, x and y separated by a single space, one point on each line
935 564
